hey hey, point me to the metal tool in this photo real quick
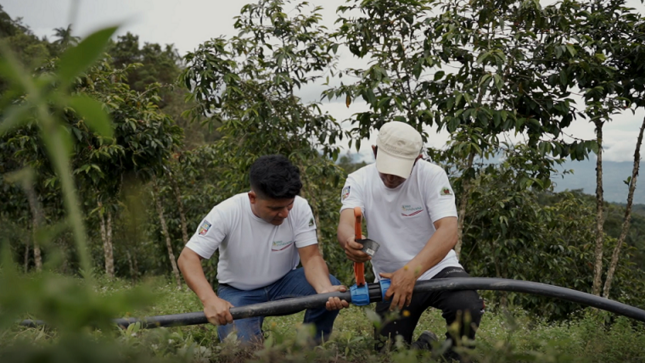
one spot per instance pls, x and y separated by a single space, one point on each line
369 246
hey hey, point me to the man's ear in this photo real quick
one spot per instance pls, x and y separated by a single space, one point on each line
252 197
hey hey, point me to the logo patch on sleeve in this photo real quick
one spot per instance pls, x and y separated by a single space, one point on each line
345 193
445 191
203 229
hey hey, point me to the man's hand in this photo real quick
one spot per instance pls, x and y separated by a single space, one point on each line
335 303
353 250
401 286
217 311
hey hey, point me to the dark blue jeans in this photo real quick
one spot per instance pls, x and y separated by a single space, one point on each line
293 284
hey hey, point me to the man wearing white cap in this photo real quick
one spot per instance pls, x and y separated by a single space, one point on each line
409 207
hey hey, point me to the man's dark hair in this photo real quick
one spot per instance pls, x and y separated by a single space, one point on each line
274 177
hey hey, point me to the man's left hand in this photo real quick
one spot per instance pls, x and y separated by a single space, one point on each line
401 286
335 303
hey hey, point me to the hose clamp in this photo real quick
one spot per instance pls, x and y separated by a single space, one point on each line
385 284
360 295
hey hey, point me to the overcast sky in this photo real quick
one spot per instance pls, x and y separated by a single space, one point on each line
188 23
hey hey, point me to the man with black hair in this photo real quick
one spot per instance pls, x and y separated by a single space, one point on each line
262 235
410 210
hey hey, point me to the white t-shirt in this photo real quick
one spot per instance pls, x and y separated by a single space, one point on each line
401 219
253 253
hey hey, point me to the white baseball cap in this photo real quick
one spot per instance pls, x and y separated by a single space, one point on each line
398 144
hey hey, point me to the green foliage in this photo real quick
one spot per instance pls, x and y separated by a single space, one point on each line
503 79
157 64
510 336
133 147
65 37
249 86
144 137
479 69
29 50
77 59
67 305
518 232
254 97
39 96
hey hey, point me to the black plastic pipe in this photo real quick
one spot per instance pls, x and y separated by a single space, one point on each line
271 308
535 288
294 305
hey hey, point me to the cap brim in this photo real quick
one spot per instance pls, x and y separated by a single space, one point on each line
388 164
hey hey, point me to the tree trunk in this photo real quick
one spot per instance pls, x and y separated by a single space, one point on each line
180 207
106 237
136 266
37 257
628 214
463 203
64 251
600 236
133 275
164 230
37 220
109 253
26 264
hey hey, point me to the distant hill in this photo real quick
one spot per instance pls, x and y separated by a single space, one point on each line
614 173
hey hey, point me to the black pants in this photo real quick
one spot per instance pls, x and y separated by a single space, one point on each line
464 306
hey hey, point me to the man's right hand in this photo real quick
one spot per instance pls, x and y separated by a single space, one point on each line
217 311
353 251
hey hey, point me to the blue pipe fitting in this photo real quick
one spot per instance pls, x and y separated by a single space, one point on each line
360 295
385 284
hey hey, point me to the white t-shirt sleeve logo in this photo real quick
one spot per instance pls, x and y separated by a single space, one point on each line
345 193
204 227
305 225
351 195
445 191
209 235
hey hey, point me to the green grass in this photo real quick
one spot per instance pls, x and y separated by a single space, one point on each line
511 336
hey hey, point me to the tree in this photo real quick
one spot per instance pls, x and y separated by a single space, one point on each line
151 64
69 307
39 95
166 234
14 206
627 61
29 50
143 141
65 37
517 231
250 84
147 65
602 35
479 69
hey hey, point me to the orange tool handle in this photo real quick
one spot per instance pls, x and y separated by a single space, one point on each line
359 267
